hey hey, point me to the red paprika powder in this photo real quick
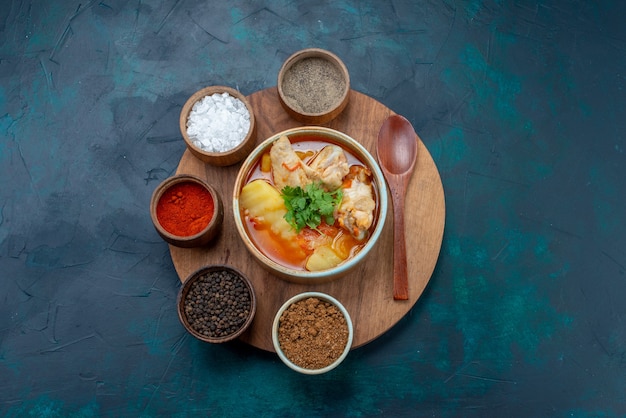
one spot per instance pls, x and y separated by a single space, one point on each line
185 209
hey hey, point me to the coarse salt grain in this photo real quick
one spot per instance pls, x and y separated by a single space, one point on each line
218 122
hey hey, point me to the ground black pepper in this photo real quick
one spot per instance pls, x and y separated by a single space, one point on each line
313 85
217 304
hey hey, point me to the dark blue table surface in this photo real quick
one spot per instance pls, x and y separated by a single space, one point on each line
521 104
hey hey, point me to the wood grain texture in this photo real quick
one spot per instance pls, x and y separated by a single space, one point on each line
367 292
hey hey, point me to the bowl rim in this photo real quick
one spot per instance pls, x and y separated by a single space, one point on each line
184 289
171 181
314 53
297 298
312 276
207 91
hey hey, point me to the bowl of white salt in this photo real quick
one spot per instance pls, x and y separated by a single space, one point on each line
218 125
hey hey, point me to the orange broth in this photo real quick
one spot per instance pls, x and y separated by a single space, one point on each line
294 254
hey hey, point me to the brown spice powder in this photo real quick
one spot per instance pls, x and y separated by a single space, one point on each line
312 333
313 85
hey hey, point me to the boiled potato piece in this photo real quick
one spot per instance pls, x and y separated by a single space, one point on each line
263 202
266 163
259 197
323 258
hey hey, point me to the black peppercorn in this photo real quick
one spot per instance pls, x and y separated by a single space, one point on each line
217 304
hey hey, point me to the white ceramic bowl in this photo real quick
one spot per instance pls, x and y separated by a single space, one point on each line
276 324
304 276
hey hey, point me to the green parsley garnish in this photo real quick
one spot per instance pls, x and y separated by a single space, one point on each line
309 206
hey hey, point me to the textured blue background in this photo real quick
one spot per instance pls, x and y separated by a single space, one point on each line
521 104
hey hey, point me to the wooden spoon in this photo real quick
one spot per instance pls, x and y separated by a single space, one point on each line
397 153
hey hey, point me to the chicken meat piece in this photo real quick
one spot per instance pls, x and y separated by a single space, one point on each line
356 211
329 167
287 168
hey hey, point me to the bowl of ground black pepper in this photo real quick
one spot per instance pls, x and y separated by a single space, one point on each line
218 125
313 86
216 303
186 211
312 333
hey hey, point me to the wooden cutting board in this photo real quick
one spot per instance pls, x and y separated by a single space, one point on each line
367 292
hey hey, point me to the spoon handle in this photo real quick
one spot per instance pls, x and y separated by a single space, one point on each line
400 271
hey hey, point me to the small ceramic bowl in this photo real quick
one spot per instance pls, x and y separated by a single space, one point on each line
318 343
198 312
221 158
164 199
285 271
313 86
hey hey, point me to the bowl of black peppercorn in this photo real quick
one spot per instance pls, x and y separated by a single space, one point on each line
216 303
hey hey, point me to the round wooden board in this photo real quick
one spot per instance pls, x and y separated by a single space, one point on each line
367 292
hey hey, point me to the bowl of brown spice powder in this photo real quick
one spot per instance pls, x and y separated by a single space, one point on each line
313 86
312 333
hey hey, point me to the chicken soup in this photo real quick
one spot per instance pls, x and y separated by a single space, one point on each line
308 203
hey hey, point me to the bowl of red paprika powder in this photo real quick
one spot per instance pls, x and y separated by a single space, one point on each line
186 211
